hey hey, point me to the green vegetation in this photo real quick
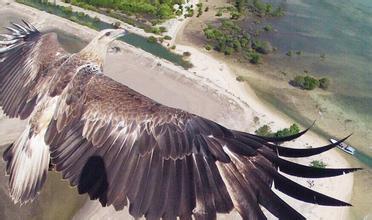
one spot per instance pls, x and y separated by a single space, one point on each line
324 83
268 28
133 39
200 9
208 47
266 131
309 83
254 58
152 10
258 7
167 37
152 39
293 129
189 11
318 164
229 38
240 78
186 54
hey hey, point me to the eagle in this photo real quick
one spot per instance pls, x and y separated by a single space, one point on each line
125 149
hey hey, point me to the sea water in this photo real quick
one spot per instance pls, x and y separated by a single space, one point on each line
335 40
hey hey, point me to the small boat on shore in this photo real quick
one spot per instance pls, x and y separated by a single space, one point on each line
343 146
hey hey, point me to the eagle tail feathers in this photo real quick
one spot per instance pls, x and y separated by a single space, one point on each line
27 166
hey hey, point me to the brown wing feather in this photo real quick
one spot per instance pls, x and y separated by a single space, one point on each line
27 64
163 161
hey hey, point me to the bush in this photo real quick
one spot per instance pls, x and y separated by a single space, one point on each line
293 129
310 83
305 82
263 47
167 37
228 50
208 47
240 78
162 29
254 58
324 83
152 39
268 28
186 54
173 47
264 131
318 164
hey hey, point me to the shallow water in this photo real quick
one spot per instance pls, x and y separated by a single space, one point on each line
341 30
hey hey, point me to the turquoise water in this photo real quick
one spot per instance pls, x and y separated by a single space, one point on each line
133 39
341 30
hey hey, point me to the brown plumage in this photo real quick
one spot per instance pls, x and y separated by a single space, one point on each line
128 150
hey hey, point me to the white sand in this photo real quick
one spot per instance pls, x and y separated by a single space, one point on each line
208 89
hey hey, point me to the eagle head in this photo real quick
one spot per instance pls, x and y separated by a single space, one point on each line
97 48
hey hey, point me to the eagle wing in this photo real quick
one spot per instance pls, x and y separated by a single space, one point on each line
28 60
123 148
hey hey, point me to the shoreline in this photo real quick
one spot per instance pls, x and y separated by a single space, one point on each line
216 77
245 92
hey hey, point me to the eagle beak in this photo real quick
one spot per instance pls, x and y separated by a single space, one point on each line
119 33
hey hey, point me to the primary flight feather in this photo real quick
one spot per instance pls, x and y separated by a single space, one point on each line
126 149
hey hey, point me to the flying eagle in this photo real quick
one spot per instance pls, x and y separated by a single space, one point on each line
124 148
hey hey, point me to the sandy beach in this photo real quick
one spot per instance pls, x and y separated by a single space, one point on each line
208 89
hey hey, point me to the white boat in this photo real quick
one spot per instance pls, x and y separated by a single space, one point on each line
343 146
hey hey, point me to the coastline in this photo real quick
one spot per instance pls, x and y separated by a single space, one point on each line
216 78
225 77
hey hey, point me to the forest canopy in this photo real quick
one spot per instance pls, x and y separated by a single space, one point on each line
161 9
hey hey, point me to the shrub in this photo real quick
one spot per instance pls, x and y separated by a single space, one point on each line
240 78
310 83
206 9
173 47
324 83
208 47
228 50
293 129
263 47
162 29
167 37
254 58
186 54
264 131
152 39
318 164
305 82
298 81
268 28
96 19
289 53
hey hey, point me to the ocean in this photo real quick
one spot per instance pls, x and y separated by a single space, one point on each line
334 40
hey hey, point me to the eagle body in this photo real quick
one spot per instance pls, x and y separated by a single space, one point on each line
125 149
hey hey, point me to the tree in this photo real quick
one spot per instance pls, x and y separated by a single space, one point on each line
324 83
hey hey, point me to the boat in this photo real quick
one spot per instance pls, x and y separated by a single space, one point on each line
343 146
